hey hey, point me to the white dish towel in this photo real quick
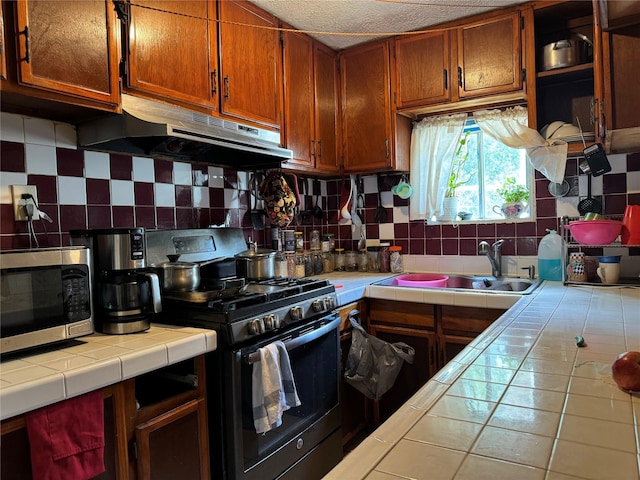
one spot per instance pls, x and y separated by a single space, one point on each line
273 387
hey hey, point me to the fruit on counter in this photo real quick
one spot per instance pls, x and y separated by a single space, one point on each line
626 371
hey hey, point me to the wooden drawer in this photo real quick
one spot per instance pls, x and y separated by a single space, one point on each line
416 315
469 320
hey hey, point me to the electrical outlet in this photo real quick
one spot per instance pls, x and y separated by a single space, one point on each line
19 203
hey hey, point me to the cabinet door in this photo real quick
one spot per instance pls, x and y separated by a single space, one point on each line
489 56
298 98
250 63
366 107
616 14
3 46
172 51
449 346
326 108
175 444
69 47
412 376
467 321
422 69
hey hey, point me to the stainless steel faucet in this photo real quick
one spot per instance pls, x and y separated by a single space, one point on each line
495 258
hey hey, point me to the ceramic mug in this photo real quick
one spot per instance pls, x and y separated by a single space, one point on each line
609 269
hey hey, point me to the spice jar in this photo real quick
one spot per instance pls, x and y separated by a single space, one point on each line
314 240
289 241
281 267
395 259
363 261
325 245
351 261
383 255
299 241
327 262
339 260
299 262
308 263
291 265
373 264
318 264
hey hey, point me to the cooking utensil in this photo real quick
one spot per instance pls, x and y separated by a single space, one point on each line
317 209
355 218
559 189
179 276
345 214
257 213
380 215
589 204
595 232
567 52
256 264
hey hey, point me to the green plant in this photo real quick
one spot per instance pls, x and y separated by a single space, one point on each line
511 192
457 176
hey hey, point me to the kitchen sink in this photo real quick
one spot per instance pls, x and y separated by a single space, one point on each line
488 284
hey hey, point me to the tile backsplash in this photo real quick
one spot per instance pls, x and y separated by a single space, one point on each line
87 189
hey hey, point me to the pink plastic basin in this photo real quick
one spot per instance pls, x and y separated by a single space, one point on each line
422 280
595 232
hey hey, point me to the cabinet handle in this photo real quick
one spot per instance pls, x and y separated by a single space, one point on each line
446 79
313 149
25 32
386 145
460 77
214 82
320 145
226 87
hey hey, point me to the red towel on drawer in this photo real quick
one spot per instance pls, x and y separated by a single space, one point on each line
67 439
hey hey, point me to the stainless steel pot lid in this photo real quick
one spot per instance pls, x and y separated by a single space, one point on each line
256 254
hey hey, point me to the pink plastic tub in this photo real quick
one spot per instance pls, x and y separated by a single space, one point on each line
422 280
595 232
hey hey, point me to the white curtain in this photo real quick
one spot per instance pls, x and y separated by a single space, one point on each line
433 144
510 127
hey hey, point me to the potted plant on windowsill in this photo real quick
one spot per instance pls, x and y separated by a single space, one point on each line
515 198
457 178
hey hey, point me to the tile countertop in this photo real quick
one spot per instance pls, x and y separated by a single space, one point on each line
522 400
33 379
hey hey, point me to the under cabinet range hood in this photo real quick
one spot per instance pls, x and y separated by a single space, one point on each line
152 129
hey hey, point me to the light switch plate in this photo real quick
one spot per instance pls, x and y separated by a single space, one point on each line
19 213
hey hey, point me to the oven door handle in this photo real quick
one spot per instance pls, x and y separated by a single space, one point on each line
301 340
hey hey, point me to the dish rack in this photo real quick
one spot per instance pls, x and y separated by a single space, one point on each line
571 245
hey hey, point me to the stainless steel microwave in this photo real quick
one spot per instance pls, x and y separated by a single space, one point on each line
45 296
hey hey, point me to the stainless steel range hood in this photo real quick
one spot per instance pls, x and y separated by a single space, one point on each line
153 129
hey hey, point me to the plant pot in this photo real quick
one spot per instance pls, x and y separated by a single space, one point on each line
449 209
509 209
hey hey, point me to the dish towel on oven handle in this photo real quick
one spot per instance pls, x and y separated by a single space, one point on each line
273 387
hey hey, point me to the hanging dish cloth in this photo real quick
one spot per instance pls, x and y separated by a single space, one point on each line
273 388
280 198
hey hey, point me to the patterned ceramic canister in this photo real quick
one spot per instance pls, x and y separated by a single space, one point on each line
576 270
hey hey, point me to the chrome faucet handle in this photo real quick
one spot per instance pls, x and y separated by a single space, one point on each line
483 247
496 246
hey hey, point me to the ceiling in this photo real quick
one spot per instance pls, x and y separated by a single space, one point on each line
351 22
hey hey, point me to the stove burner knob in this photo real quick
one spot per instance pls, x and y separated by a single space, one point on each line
317 306
271 322
296 313
329 303
256 326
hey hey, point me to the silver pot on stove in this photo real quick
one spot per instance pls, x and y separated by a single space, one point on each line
256 264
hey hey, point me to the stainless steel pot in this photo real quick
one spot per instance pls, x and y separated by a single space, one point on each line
179 276
567 52
256 264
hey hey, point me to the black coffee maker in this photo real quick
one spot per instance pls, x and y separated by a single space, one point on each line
126 295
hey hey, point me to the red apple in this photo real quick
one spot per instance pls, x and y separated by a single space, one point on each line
626 371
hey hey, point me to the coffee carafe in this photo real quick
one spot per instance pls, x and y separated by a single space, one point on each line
126 295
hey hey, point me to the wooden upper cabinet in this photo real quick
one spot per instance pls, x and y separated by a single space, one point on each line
3 47
616 14
374 137
423 69
250 63
172 51
310 102
68 47
490 56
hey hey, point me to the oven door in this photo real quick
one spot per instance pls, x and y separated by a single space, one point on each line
314 426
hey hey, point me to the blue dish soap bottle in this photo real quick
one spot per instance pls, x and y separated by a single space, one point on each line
550 252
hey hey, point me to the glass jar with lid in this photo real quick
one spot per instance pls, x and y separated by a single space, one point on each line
327 262
318 263
383 255
339 260
299 241
300 267
395 259
373 264
363 260
351 261
314 240
281 267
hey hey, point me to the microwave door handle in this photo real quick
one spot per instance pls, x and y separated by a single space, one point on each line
301 340
155 291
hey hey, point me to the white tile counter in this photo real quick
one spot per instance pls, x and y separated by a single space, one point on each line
36 378
522 401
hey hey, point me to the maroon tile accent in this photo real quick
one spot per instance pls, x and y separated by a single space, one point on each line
614 183
145 217
143 193
373 230
184 218
526 246
449 247
404 244
615 204
434 247
468 231
633 162
163 170
72 217
633 199
98 216
46 185
246 199
401 230
416 247
98 192
70 162
121 166
542 188
199 174
544 224
416 230
183 196
468 246
400 202
7 225
526 229
12 157
546 207
433 231
230 178
505 230
202 217
50 209
487 231
216 197
449 231
123 217
217 216
509 246
165 217
572 168
333 187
